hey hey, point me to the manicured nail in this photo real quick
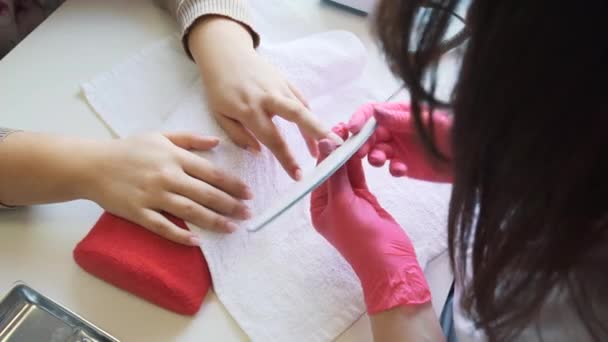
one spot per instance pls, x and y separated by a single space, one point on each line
246 213
194 240
231 226
252 150
335 138
297 174
247 193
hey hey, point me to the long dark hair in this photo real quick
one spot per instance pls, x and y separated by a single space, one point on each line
530 150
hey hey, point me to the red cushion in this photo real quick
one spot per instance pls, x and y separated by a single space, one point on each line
173 276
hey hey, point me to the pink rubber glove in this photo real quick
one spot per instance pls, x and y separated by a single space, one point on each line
346 213
396 140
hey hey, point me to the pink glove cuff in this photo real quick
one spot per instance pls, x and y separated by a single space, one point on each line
407 287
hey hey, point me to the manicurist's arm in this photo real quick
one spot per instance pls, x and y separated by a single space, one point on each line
396 293
416 323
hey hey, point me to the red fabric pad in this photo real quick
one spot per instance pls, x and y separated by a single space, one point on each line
173 276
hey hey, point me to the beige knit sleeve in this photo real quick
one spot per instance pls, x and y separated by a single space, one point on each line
188 11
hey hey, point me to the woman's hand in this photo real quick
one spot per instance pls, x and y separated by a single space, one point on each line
348 215
397 141
137 178
244 91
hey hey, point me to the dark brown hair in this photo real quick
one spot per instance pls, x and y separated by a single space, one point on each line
530 150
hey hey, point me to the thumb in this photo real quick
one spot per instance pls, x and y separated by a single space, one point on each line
319 196
356 174
192 141
338 184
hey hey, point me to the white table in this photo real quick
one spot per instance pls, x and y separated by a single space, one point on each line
39 90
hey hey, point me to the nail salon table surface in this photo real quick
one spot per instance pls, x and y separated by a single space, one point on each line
39 90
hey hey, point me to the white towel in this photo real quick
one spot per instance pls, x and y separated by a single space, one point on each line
284 283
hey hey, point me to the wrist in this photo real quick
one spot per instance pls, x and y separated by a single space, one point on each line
45 168
212 34
393 283
86 165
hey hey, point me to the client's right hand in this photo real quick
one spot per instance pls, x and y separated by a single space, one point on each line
140 177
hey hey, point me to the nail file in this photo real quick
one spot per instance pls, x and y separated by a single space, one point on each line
311 181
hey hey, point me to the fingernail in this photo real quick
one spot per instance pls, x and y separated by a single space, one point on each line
335 138
251 150
246 213
194 240
231 226
247 193
377 156
297 174
398 170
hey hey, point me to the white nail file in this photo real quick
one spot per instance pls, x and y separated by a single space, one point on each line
311 181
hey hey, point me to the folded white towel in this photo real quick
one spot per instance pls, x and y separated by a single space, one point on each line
284 283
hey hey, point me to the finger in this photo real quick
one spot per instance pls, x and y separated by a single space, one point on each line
159 224
191 141
202 169
338 134
382 134
211 197
362 151
240 135
192 212
360 117
338 184
367 146
298 95
356 175
269 135
311 143
318 199
326 147
294 111
394 120
397 168
379 154
341 130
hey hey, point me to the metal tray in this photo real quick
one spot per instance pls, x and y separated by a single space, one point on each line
28 316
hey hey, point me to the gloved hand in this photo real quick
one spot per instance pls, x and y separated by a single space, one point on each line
396 140
346 213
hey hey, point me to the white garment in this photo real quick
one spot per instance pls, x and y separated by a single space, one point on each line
284 283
